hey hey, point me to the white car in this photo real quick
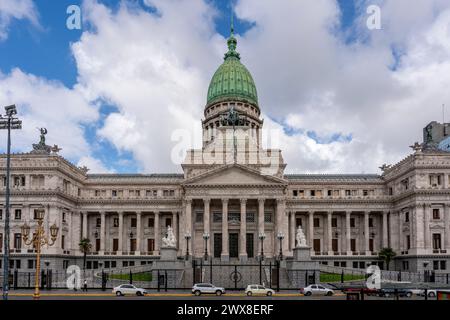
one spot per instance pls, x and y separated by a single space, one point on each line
207 288
124 289
316 289
256 289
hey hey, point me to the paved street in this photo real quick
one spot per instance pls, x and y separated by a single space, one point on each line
178 295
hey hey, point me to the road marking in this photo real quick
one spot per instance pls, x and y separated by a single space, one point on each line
150 295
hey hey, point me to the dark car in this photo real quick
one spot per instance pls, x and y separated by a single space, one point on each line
389 292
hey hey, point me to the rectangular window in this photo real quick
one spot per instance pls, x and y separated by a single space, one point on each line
371 222
17 214
168 222
63 242
348 193
437 241
114 193
1 242
17 241
107 264
352 223
317 245
268 217
313 193
116 222
98 222
113 264
406 216
250 217
298 222
234 217
316 223
365 193
151 222
97 245
115 245
391 191
355 264
125 264
295 193
443 265
353 245
436 214
132 245
150 245
64 217
1 214
405 265
408 242
334 245
31 264
199 217
133 222
371 245
435 265
334 222
217 217
329 193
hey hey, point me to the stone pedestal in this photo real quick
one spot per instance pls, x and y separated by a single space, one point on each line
168 254
301 268
302 254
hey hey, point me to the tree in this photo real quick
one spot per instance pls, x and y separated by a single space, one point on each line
386 254
85 247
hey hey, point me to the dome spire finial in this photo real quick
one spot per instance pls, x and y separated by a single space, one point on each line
232 42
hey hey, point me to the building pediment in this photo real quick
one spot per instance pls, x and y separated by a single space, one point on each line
234 174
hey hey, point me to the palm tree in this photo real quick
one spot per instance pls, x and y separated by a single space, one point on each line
85 247
386 254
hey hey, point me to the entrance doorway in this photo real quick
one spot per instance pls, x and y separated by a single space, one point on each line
217 245
234 245
250 245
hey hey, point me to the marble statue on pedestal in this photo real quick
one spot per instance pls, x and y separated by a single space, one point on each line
300 238
169 241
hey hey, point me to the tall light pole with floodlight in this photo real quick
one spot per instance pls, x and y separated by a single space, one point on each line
8 122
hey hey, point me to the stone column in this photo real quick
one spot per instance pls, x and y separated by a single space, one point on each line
188 224
366 233
120 230
420 239
400 231
447 227
311 230
427 209
260 222
384 242
293 231
102 232
329 233
206 223
348 233
157 232
138 232
85 226
225 256
175 228
243 232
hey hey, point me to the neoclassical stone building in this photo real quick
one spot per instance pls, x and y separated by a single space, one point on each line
234 191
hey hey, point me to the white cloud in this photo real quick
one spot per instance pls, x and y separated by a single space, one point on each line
16 9
44 103
156 68
94 165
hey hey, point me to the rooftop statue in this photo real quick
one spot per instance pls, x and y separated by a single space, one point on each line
42 147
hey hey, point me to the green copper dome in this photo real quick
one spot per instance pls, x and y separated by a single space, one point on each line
232 80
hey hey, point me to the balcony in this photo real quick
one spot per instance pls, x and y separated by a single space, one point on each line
439 251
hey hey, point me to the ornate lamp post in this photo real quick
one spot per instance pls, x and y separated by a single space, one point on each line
262 236
8 122
187 236
206 237
38 240
280 237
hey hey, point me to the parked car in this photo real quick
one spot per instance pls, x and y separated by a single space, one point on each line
125 289
412 292
366 291
207 288
389 292
316 289
256 289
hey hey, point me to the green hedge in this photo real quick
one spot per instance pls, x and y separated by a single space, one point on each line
336 277
144 276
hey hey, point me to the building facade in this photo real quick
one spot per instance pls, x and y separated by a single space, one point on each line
233 200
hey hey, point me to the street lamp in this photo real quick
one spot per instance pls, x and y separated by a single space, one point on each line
262 236
206 237
39 240
187 236
8 122
280 237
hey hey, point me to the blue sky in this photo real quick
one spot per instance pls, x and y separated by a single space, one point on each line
44 51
